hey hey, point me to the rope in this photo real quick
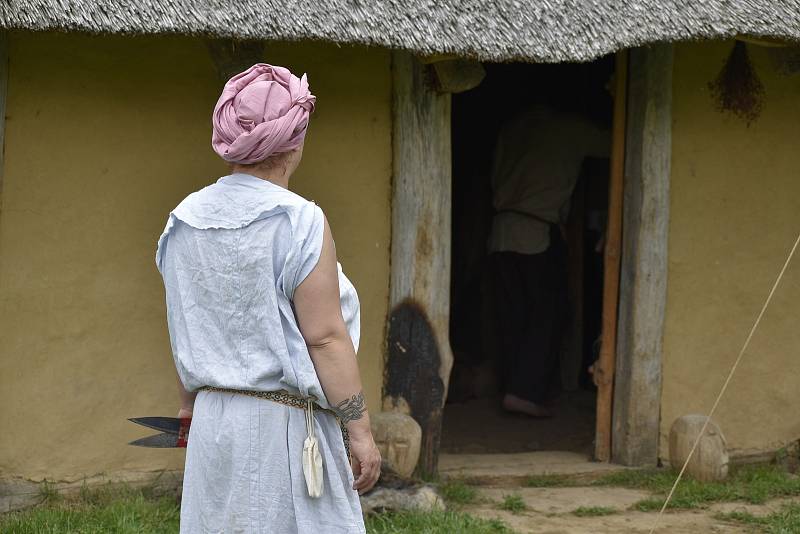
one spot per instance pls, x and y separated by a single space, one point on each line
725 385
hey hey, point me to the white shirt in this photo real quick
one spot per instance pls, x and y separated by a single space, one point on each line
537 161
231 256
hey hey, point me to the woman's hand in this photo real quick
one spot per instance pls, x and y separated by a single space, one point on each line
365 461
187 400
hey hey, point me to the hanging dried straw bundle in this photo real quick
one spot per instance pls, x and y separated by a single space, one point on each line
737 88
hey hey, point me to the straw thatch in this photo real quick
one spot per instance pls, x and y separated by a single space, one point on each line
535 30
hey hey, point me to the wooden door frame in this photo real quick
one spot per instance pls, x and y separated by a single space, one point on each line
419 358
604 366
630 427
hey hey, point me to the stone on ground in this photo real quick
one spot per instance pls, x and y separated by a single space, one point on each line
422 498
398 437
710 460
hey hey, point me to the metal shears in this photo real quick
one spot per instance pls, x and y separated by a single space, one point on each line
174 432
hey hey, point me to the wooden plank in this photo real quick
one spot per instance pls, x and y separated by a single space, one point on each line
604 367
419 355
643 290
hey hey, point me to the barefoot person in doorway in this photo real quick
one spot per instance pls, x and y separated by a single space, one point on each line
537 161
264 328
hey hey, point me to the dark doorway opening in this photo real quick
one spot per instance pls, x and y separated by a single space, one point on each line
474 418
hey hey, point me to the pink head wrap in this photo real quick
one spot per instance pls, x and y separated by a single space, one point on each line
261 112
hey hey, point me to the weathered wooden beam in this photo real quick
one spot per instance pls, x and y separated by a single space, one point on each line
604 367
419 357
232 57
643 289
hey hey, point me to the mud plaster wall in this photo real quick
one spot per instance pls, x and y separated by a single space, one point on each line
104 136
734 214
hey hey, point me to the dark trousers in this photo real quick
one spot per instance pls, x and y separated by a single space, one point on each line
530 301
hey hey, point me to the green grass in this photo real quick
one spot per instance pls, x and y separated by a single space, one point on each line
549 481
456 492
784 521
593 511
513 503
433 523
120 510
49 494
753 484
646 479
124 510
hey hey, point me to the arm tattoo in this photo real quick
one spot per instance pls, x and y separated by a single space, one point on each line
351 409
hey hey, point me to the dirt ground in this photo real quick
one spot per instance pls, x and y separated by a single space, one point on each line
571 429
550 511
499 452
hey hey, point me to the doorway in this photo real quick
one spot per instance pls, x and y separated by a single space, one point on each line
474 418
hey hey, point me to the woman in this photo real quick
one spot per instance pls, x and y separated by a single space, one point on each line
257 304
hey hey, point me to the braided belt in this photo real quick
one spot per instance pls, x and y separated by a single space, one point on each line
286 398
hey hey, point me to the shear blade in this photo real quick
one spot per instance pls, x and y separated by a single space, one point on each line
164 424
160 441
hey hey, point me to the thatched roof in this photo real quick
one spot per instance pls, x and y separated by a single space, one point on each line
537 30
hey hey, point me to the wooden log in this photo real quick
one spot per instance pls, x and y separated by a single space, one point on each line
458 75
643 283
232 56
419 355
604 367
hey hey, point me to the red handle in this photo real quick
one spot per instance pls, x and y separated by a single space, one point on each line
183 431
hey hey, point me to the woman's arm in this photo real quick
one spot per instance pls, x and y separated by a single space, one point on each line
319 316
187 400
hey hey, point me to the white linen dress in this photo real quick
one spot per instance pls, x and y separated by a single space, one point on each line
231 256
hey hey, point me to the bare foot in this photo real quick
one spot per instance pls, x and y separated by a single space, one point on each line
512 403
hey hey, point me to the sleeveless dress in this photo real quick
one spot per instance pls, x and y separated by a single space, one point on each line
231 256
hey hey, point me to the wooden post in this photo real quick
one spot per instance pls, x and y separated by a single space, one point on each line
604 367
419 357
643 284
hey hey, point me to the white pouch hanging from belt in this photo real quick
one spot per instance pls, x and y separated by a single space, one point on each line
312 460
